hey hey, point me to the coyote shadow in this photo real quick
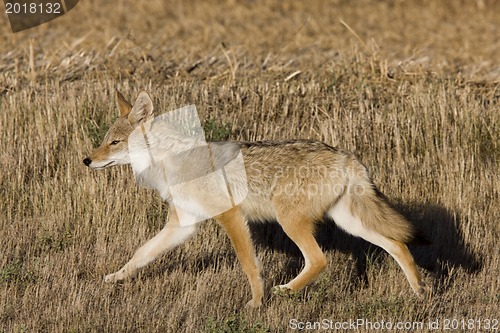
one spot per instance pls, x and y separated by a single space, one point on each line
440 259
448 250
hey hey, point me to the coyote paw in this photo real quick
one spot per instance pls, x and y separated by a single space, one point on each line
281 290
110 278
115 277
252 304
422 290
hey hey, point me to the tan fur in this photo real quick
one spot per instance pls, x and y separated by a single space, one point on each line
296 183
233 222
370 206
123 105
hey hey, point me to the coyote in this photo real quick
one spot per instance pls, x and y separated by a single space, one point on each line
296 183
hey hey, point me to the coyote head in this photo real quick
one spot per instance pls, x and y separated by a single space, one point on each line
114 147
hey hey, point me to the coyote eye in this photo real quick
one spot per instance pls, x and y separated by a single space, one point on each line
115 142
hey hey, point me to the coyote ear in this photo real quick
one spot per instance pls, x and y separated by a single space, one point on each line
123 105
142 109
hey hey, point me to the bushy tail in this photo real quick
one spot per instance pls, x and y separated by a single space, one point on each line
367 203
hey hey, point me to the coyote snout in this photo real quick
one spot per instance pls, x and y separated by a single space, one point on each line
275 191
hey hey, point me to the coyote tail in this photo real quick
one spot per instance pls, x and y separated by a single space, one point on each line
375 212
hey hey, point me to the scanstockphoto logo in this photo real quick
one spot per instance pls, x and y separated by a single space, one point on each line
200 180
27 14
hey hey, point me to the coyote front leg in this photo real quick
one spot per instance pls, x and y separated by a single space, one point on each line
171 235
235 225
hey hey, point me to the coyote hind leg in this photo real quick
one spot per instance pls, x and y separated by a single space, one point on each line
342 216
171 235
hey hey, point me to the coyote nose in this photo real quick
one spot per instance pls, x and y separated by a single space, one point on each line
87 161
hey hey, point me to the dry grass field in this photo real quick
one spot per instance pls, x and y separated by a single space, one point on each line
412 87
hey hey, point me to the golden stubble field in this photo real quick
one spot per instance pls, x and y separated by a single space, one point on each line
411 86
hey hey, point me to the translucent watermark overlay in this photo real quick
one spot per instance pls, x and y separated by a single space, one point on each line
200 180
26 14
309 179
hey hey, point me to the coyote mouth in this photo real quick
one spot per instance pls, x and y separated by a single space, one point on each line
105 165
108 164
